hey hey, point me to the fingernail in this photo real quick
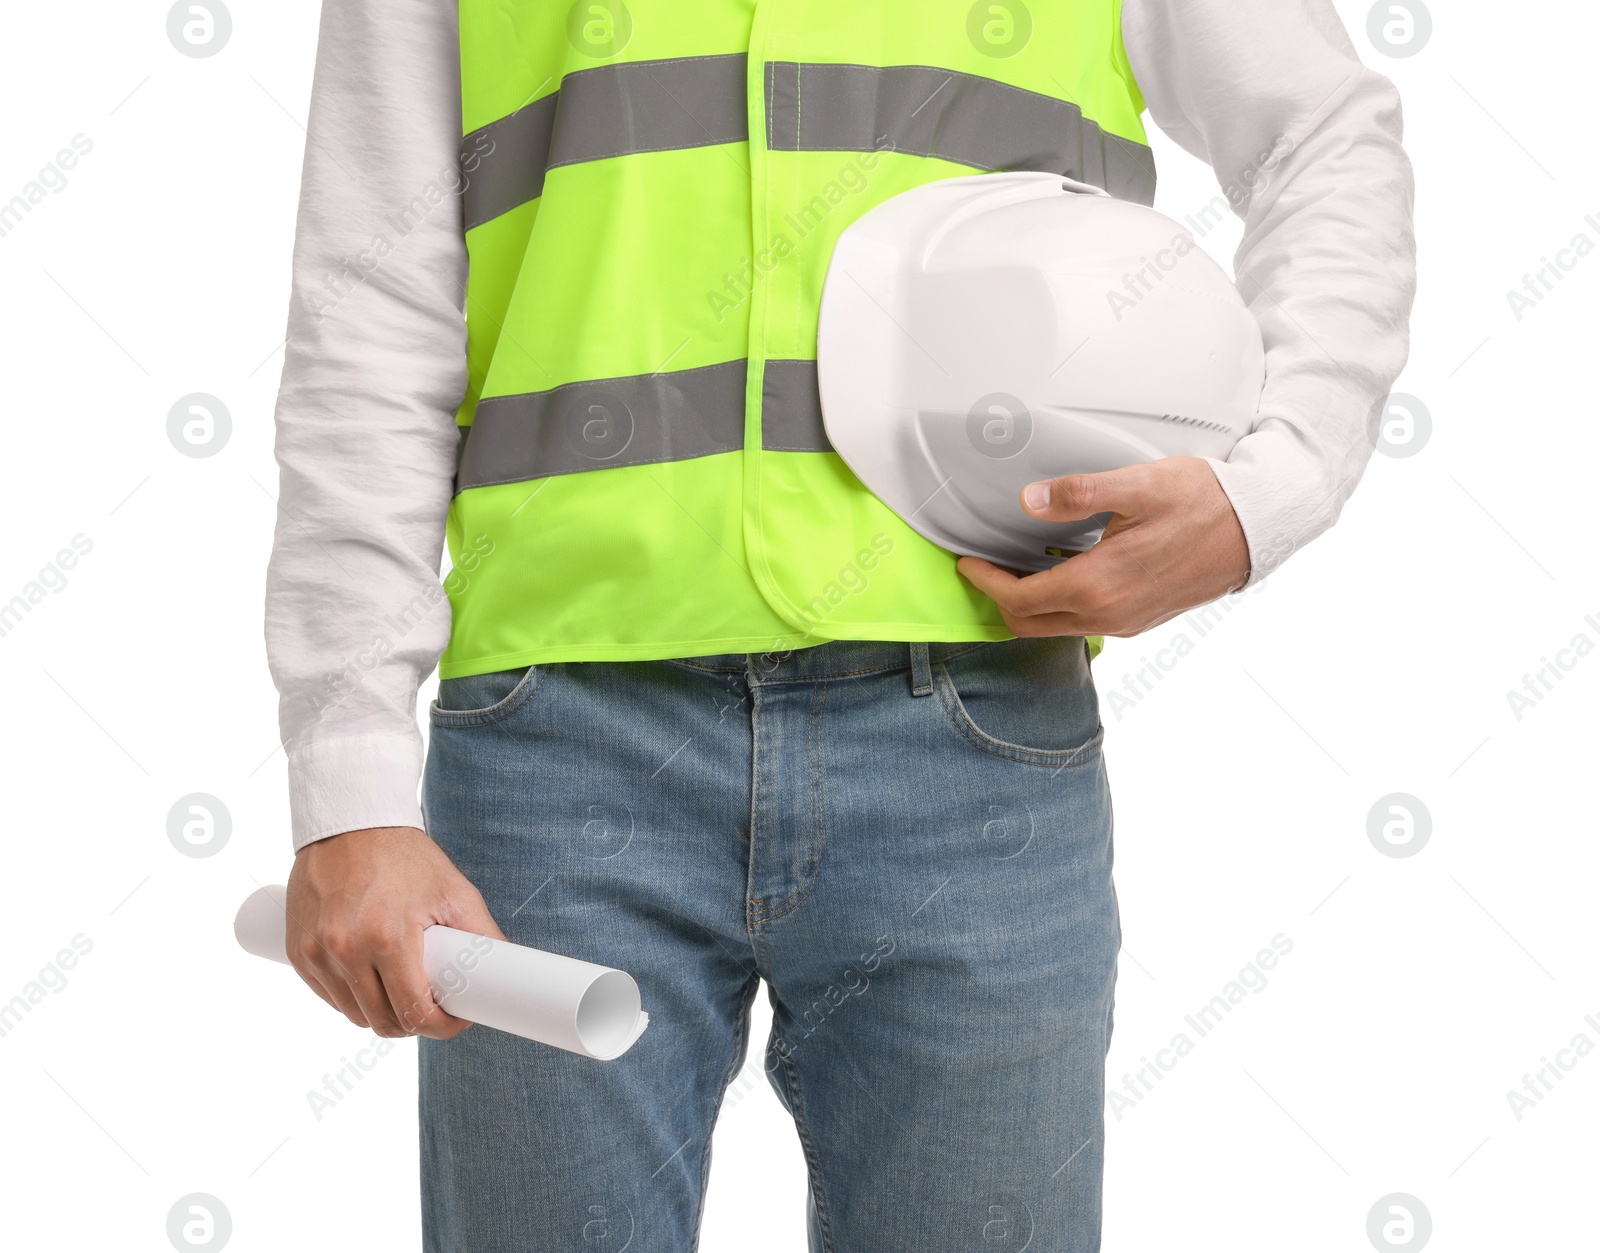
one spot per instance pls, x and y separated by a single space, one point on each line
1036 495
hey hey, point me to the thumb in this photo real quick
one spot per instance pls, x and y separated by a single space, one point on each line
1076 496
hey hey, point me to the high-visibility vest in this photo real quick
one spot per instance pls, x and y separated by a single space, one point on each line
652 191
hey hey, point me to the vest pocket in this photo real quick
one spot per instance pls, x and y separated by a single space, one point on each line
1029 700
478 699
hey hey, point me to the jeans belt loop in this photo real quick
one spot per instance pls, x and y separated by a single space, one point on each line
921 672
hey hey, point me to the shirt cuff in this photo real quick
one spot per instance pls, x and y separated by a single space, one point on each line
352 783
1284 496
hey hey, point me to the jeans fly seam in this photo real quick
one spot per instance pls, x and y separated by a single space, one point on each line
808 876
752 913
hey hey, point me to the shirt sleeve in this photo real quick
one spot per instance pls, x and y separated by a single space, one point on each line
374 368
1305 143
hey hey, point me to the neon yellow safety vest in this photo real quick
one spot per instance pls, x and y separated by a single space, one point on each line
652 194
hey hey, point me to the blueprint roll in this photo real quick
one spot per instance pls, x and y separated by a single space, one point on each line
566 1003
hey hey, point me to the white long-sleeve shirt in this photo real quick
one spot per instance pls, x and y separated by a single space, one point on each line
1305 143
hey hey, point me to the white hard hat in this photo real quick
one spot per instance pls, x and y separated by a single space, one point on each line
980 333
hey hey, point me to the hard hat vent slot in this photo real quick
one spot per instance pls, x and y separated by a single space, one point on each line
1184 420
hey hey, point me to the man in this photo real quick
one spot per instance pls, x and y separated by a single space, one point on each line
708 712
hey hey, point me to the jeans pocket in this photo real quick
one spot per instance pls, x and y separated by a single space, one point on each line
1030 700
477 699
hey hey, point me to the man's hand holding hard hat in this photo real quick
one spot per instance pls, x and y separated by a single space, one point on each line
1173 542
986 337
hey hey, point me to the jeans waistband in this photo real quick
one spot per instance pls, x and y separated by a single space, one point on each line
833 659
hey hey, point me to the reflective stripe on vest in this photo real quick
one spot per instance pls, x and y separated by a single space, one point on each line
652 191
656 106
609 111
963 118
643 420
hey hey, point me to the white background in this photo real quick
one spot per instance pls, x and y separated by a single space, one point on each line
1378 1057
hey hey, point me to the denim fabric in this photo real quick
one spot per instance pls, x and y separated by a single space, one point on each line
910 844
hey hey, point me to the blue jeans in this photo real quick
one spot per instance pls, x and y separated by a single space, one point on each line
910 844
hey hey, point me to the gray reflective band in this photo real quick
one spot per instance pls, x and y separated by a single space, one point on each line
963 118
608 111
638 420
697 102
644 419
791 408
503 164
